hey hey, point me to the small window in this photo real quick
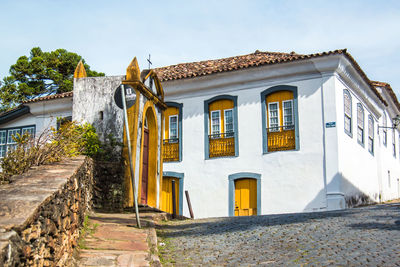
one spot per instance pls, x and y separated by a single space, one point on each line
389 179
394 142
228 117
62 121
215 123
273 115
370 134
173 127
11 143
7 143
384 129
288 121
360 124
29 130
347 112
3 139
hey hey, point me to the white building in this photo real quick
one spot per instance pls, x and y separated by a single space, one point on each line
267 133
272 132
34 116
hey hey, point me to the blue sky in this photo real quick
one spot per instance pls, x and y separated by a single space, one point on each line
108 34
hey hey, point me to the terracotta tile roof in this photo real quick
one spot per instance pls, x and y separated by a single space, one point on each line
258 58
389 90
49 97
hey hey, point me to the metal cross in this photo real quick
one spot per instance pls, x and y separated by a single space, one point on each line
150 63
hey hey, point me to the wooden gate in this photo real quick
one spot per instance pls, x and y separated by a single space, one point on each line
245 197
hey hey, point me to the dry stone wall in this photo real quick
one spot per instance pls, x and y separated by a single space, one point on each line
108 187
41 213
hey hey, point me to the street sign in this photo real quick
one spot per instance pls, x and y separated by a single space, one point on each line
331 124
130 96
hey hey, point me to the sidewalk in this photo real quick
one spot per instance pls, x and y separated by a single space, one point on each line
113 239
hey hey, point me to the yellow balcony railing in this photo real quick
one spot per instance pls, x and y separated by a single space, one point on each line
281 138
171 150
222 145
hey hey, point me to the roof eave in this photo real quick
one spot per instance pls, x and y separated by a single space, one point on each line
13 114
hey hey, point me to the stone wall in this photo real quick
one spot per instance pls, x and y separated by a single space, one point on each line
108 188
42 211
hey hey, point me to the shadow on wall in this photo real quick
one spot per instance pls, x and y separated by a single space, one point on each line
353 195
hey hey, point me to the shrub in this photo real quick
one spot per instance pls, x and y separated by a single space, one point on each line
50 146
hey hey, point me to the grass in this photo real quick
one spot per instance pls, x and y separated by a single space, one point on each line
88 228
165 251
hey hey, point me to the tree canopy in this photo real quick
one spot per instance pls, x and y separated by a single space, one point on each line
42 73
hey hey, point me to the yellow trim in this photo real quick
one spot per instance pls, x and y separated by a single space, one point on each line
153 155
245 197
281 139
170 111
80 71
160 156
133 122
166 194
278 97
133 71
220 105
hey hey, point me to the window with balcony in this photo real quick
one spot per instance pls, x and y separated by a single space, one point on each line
221 131
347 112
370 134
280 120
360 124
7 141
172 144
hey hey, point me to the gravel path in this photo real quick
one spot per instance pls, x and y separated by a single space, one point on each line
368 236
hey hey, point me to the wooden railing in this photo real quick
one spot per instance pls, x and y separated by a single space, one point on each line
222 145
281 138
171 150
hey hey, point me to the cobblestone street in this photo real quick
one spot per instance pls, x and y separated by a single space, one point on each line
368 236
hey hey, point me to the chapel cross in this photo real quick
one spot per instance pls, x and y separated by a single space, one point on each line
150 63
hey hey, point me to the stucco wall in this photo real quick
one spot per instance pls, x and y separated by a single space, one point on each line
94 103
364 176
291 181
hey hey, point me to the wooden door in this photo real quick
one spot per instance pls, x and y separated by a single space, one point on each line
245 197
145 167
166 195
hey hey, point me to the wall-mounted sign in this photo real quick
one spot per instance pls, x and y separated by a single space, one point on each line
130 96
331 124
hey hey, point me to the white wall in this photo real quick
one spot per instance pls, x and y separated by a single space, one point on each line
362 173
291 181
43 114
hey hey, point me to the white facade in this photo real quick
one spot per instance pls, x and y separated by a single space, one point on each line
42 116
330 170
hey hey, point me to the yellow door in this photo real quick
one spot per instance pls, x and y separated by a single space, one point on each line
166 195
245 197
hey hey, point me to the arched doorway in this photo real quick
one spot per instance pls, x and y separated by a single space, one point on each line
148 177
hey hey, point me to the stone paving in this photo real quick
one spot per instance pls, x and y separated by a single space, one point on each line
114 240
367 236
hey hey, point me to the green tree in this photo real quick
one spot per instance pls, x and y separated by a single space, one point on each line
41 73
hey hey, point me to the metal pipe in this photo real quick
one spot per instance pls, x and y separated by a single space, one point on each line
130 154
